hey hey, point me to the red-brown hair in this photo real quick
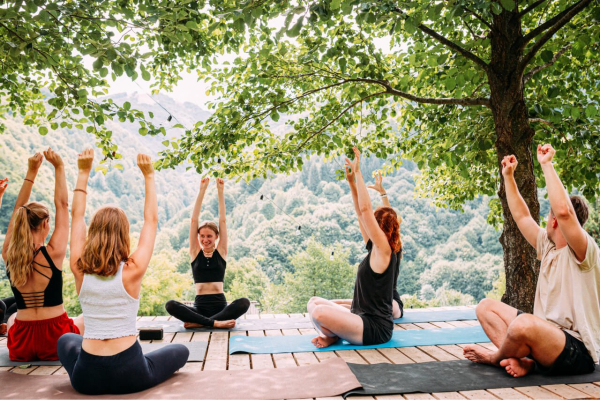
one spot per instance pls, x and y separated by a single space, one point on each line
390 225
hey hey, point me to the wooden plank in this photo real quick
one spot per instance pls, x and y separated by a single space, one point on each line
46 370
565 391
182 337
448 396
506 393
477 394
472 322
437 353
23 371
587 388
453 349
442 325
416 355
238 361
284 360
416 396
536 392
351 356
458 324
373 356
262 361
408 326
426 325
395 356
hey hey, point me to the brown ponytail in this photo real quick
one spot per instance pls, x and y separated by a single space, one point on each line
19 256
389 222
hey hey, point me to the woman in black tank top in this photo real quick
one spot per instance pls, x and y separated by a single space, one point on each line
369 321
208 269
34 270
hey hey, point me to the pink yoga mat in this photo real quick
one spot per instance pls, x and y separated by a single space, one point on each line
330 378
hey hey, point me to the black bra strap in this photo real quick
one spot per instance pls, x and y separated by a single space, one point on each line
44 275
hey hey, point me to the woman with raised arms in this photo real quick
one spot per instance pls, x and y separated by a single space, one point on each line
208 269
369 321
35 270
108 278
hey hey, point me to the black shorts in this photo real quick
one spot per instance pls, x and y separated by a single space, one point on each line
575 359
376 330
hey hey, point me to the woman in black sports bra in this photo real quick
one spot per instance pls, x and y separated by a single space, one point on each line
34 270
208 268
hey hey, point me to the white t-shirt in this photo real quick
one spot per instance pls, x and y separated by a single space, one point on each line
567 293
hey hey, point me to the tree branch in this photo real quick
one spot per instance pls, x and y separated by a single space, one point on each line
479 17
451 45
551 22
338 117
537 69
573 11
531 7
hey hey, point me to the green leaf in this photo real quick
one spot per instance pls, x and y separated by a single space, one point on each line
508 4
295 30
118 166
590 111
547 56
43 130
127 105
335 4
342 63
145 75
553 92
496 8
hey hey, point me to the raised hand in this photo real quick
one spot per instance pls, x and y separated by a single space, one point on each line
35 161
509 164
356 161
378 184
220 184
145 164
3 185
545 153
349 172
53 158
204 184
85 160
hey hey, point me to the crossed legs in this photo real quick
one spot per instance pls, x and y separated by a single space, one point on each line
334 321
516 338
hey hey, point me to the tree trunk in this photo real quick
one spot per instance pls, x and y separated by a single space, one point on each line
513 136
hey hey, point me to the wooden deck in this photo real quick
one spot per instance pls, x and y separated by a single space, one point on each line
217 358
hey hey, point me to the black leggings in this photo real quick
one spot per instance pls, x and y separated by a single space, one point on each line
208 308
129 371
8 307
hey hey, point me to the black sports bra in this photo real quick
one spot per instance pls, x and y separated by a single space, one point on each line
49 297
206 269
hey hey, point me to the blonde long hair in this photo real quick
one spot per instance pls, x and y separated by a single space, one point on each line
107 243
21 249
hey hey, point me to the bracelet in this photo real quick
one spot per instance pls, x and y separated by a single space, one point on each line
384 195
79 190
29 180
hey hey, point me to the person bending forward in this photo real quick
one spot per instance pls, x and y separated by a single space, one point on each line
562 336
369 321
208 268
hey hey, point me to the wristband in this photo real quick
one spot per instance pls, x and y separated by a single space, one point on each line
384 195
29 180
79 190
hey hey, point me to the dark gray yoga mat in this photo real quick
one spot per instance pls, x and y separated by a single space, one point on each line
241 325
197 352
447 376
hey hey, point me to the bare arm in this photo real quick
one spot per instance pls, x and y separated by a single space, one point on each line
381 247
3 185
34 164
78 227
561 205
518 208
143 253
57 246
194 246
350 176
378 186
222 248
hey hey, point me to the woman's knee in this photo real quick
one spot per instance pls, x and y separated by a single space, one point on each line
67 343
319 313
171 306
179 354
243 303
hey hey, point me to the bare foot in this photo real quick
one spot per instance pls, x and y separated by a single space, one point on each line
225 324
478 354
518 367
326 341
3 329
189 325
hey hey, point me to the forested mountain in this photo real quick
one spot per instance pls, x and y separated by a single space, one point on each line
444 251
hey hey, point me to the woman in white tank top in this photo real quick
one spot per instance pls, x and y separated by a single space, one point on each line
108 280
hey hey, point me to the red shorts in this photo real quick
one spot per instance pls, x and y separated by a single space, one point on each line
36 340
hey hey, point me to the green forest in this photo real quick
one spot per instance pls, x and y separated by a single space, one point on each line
450 257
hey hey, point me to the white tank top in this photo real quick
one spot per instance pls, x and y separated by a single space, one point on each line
108 310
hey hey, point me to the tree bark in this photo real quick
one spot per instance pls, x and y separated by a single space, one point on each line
513 136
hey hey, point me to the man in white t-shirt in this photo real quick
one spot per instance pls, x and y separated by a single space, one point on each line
562 337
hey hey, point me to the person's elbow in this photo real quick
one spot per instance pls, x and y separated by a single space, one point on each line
62 204
563 212
151 218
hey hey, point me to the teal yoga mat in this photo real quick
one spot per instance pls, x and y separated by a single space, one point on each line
408 338
412 317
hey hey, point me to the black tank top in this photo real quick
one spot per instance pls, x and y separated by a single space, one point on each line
373 292
51 296
395 294
206 269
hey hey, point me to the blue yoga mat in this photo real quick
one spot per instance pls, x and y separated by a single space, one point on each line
408 338
411 317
